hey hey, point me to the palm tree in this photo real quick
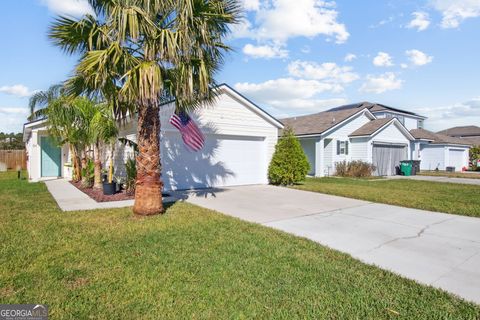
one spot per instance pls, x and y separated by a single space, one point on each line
103 129
138 53
66 124
41 99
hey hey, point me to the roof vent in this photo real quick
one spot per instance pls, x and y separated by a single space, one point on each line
333 120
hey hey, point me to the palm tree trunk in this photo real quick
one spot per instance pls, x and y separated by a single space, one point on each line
77 170
97 184
148 192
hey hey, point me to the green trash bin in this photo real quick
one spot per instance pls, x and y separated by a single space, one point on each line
406 168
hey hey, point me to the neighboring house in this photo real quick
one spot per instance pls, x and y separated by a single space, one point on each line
240 140
438 151
353 132
470 134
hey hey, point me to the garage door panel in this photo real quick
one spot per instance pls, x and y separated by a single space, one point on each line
224 161
456 158
387 157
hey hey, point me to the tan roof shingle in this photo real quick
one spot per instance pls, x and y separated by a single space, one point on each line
437 138
318 122
370 127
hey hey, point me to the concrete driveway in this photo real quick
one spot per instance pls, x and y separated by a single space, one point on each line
433 248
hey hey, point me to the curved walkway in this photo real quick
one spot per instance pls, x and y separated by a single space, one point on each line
437 249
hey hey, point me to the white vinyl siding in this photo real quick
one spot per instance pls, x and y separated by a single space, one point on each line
359 149
239 145
328 153
342 133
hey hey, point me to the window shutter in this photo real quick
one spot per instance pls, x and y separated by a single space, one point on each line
338 147
346 147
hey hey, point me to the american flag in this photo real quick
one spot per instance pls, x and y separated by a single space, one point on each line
191 134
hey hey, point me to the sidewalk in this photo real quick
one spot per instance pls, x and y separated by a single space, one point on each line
70 198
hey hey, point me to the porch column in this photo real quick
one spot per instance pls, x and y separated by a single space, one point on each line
319 158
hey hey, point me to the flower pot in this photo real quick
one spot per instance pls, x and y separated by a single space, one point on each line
109 188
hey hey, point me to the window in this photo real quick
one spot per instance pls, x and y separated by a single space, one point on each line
399 117
342 147
420 124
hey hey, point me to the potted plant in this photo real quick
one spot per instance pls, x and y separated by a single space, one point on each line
110 186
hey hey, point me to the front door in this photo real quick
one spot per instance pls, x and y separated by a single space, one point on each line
51 158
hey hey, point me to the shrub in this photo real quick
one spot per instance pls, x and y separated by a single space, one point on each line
289 163
131 168
474 155
355 169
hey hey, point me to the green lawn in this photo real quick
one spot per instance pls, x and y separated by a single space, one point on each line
189 263
434 196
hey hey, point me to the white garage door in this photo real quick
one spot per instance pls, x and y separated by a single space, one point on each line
386 157
455 158
432 157
224 161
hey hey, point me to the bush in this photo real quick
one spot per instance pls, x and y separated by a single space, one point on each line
289 163
354 169
131 168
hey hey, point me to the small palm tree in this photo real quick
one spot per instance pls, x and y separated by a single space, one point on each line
67 125
41 99
137 54
103 129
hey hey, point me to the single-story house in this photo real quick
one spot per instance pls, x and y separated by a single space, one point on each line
471 134
240 139
438 151
349 133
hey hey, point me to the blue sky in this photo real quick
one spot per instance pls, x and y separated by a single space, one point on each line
295 57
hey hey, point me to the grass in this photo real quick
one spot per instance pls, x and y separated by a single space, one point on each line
453 198
189 263
450 174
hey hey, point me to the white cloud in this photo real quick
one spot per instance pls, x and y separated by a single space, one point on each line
350 57
288 96
455 11
421 21
381 83
265 51
75 8
404 66
418 58
279 20
383 59
251 5
329 71
458 114
18 90
12 118
291 107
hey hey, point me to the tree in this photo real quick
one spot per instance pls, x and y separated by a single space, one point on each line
474 155
289 163
67 123
41 99
103 129
11 141
137 54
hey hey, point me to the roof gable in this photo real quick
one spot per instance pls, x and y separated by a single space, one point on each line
376 126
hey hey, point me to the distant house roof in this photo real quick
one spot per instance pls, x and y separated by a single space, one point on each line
371 127
472 140
318 123
437 138
374 107
465 131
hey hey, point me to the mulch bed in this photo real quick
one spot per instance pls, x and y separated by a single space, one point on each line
97 194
